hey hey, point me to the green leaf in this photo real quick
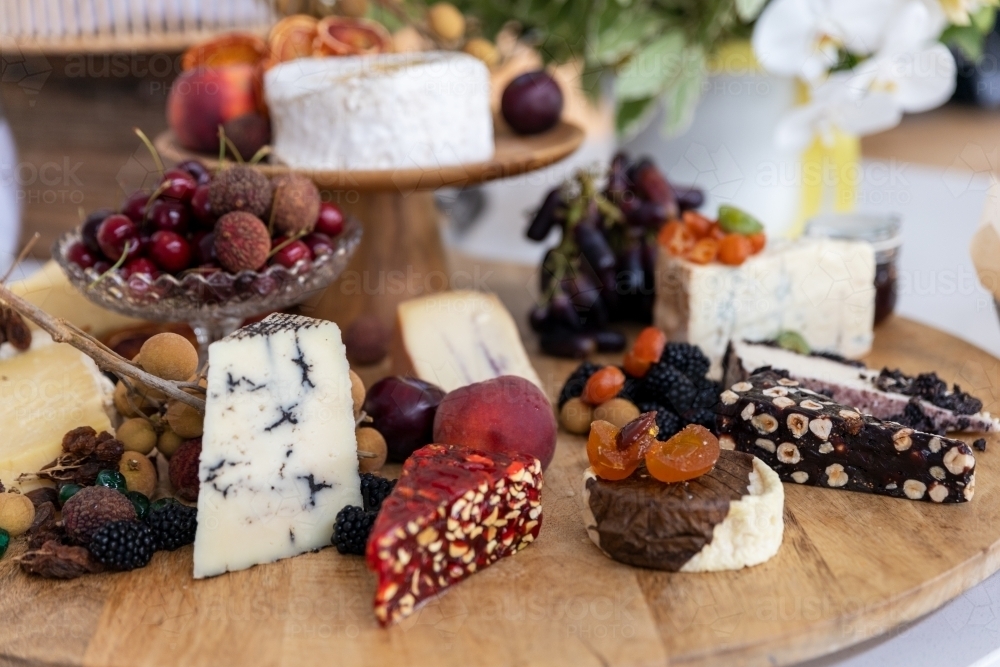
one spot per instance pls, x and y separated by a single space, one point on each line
793 340
984 18
624 36
737 221
966 38
649 72
748 10
632 115
681 98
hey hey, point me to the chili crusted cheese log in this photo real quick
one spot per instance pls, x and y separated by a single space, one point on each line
809 439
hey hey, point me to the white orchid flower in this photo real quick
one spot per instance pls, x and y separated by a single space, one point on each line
958 11
804 37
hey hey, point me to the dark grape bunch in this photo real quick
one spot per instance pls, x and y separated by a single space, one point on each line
602 270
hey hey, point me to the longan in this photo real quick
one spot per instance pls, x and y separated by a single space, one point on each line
575 416
169 356
482 49
141 400
370 440
139 473
168 443
446 21
137 434
357 393
618 411
184 420
17 513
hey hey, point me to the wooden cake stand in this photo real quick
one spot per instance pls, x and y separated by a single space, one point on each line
401 253
852 566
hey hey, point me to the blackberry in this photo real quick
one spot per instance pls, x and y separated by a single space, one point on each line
708 393
573 388
172 524
632 391
703 417
686 358
123 545
667 421
374 490
351 530
668 386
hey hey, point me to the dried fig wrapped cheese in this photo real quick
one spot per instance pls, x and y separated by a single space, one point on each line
453 512
809 439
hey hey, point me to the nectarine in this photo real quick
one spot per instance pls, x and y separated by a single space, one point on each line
204 98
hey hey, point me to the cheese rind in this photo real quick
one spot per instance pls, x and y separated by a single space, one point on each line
821 288
390 111
279 453
44 393
454 339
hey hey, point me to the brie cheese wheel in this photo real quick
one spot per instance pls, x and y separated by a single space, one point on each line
454 339
391 111
823 289
279 455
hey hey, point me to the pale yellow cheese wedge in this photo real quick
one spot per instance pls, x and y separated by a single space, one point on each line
45 392
49 289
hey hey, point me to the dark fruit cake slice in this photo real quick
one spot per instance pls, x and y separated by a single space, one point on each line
453 512
809 439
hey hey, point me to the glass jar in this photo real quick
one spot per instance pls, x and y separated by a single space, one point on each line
883 233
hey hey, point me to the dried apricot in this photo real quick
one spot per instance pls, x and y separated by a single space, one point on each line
734 249
676 238
616 453
635 366
704 251
697 224
690 453
758 241
603 385
646 351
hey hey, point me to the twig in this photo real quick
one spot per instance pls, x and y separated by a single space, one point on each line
65 332
21 256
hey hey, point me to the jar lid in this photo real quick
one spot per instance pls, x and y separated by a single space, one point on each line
882 231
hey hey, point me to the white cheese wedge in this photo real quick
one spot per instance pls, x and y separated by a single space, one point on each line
453 339
49 289
44 393
279 454
390 111
821 288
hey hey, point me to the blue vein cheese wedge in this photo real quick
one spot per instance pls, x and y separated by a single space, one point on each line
822 288
454 339
279 454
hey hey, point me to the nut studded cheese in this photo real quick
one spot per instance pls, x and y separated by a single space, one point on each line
44 393
809 439
453 512
391 111
820 288
453 339
279 454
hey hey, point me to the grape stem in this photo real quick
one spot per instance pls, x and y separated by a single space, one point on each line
106 358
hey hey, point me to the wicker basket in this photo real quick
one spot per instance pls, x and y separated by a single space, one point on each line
54 27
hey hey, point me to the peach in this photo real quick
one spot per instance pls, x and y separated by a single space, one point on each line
203 98
505 414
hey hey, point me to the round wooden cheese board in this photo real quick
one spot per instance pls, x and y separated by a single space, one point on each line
852 566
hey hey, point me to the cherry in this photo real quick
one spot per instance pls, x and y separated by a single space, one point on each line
330 220
170 251
292 254
88 230
114 233
532 103
169 215
178 184
140 265
81 255
197 170
201 206
102 266
320 244
134 206
203 247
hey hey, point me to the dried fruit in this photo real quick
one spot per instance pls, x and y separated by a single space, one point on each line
734 249
757 241
59 561
616 453
446 21
690 453
140 502
231 48
343 36
603 385
184 470
575 416
137 435
80 441
676 238
704 251
45 527
92 507
292 37
646 351
16 330
108 449
139 473
697 224
17 513
242 242
296 204
184 420
169 356
371 441
112 479
40 496
123 545
240 188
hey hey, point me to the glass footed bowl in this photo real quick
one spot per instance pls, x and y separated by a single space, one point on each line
215 303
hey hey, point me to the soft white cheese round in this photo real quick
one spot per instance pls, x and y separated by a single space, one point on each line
391 111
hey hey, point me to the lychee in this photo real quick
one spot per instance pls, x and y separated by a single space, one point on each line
296 204
241 242
240 188
184 470
92 507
